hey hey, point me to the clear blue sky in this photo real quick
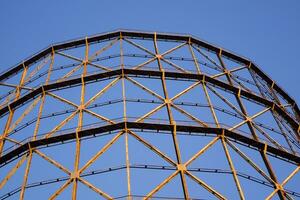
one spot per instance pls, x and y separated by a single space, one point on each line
265 31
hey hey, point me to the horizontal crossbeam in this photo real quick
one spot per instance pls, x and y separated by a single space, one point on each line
148 35
147 126
151 74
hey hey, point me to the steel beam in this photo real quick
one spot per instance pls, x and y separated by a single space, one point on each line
153 74
148 126
149 35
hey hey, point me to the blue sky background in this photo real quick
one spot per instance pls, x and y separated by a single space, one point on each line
265 31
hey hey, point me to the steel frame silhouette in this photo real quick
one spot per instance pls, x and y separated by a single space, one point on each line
269 95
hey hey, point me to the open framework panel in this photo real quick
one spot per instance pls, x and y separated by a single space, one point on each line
145 115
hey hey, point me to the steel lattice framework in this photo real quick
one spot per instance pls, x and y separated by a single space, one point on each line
135 115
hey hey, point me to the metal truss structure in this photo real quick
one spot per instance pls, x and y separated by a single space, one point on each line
140 115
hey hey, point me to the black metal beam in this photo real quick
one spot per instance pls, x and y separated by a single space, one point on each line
149 35
150 73
146 126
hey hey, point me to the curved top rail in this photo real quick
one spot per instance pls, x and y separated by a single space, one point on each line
294 124
149 35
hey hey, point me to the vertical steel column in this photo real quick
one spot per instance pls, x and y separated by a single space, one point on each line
12 111
250 126
272 110
29 159
125 120
75 175
180 166
239 188
22 193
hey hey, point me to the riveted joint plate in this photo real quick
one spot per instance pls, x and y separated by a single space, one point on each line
181 167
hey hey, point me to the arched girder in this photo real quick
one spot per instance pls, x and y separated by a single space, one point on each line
118 72
150 35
